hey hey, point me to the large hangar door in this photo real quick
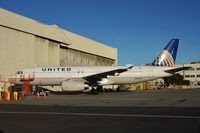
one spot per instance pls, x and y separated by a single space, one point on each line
16 51
64 57
71 57
41 51
53 53
47 52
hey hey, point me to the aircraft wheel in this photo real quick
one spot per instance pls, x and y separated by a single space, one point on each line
94 91
100 88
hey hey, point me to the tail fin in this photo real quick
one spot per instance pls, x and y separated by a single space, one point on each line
167 57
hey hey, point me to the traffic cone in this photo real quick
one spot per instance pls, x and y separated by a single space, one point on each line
38 96
45 97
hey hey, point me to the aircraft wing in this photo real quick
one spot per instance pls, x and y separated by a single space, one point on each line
97 77
174 70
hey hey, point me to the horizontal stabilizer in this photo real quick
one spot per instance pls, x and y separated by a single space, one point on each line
174 70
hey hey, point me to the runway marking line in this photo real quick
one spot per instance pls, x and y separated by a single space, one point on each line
98 114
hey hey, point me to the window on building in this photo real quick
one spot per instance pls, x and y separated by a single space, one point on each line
187 76
198 68
198 76
192 76
191 69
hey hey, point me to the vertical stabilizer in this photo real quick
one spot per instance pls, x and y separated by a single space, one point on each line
167 57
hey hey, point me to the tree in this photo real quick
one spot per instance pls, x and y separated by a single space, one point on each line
176 79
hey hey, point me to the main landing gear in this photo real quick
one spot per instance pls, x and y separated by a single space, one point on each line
96 90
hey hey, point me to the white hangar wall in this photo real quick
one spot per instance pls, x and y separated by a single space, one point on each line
27 43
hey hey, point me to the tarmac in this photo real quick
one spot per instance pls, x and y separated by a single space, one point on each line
142 98
138 111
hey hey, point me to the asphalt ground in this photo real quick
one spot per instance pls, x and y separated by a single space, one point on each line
140 111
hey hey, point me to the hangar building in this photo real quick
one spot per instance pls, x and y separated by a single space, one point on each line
26 43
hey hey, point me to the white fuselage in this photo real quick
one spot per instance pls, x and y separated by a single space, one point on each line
54 76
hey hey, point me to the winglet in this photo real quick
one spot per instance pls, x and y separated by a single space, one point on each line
129 66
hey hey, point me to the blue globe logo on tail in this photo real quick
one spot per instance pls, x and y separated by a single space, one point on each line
167 57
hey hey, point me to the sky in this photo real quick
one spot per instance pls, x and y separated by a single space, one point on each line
139 29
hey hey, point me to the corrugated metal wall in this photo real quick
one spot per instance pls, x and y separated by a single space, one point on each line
16 50
20 50
47 52
71 57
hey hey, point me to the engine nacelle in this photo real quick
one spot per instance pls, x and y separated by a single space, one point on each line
73 85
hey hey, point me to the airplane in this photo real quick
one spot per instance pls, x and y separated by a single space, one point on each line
81 78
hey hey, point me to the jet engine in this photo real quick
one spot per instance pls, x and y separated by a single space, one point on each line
73 85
